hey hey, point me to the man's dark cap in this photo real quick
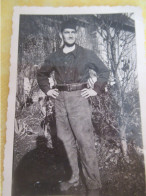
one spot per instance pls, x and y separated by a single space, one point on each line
68 24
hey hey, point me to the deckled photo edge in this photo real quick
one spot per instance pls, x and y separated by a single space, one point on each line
8 157
8 153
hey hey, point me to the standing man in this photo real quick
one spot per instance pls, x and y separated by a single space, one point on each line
71 64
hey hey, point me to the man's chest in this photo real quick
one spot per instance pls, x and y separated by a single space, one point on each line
70 61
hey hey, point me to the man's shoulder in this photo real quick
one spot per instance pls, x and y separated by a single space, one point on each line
89 54
86 50
52 55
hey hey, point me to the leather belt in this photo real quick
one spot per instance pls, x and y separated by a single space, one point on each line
71 87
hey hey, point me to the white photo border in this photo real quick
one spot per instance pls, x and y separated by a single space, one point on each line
141 68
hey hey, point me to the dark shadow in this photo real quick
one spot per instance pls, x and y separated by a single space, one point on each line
40 170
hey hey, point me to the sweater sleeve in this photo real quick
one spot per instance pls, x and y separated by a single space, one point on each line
43 75
101 70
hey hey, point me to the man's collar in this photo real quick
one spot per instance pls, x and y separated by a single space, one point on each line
74 52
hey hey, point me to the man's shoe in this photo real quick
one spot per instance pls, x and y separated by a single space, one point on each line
93 192
64 186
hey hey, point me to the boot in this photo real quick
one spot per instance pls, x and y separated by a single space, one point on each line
64 186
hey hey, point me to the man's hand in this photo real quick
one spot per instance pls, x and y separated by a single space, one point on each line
53 93
87 92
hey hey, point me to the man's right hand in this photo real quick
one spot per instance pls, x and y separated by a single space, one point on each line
53 93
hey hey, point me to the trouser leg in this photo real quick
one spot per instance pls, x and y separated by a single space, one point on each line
64 133
80 119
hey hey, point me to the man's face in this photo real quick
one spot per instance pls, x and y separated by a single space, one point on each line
69 36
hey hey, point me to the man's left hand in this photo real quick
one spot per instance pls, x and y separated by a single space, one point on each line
88 92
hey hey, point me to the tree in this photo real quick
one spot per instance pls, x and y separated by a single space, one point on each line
117 49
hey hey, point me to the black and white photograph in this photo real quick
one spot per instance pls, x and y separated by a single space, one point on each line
75 122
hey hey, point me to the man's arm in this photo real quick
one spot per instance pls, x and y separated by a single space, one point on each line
102 72
43 75
102 76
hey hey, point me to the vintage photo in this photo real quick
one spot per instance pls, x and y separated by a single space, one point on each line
74 100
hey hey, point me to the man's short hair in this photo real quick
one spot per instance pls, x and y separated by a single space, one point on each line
68 24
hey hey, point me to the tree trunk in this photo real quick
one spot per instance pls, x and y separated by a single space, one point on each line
122 124
124 143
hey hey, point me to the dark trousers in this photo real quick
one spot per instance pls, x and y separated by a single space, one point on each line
74 126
